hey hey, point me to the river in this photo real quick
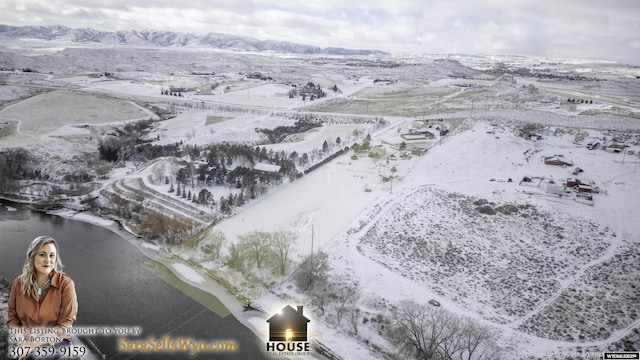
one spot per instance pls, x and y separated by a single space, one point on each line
114 289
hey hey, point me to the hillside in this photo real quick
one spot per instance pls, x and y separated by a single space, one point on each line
143 38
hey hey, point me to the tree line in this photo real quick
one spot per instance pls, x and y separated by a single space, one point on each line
279 133
255 249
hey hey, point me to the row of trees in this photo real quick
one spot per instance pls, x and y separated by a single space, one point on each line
424 331
278 134
258 249
581 101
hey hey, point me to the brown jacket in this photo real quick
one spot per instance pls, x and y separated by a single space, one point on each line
57 306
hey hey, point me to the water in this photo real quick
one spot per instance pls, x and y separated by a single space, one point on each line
114 289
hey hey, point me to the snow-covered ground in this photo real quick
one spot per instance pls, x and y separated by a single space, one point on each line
543 270
549 274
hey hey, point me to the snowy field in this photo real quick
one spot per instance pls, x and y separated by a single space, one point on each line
549 272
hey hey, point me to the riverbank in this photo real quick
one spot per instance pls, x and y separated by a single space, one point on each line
186 271
116 288
183 269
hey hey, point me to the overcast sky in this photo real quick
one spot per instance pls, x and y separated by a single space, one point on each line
591 29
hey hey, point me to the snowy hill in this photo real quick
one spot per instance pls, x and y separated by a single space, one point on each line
168 38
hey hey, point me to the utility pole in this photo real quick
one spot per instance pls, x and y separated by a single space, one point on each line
312 234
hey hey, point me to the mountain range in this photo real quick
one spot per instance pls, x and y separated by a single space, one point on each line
169 38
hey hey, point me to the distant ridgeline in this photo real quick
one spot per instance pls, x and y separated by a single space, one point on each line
170 38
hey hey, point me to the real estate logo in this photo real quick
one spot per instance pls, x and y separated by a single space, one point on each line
288 333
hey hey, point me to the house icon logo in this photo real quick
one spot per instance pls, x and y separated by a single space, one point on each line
288 332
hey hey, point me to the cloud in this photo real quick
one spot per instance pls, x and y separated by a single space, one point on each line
597 29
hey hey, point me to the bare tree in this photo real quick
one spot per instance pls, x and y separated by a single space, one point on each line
429 332
477 342
320 296
344 300
214 243
282 242
257 244
353 307
158 171
312 273
234 259
420 329
173 168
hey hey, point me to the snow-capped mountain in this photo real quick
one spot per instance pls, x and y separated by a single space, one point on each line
169 38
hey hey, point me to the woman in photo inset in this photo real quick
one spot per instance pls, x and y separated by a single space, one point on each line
43 297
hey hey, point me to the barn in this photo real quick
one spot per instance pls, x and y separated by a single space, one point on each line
573 182
583 188
557 161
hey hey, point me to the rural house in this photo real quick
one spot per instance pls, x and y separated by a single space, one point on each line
557 161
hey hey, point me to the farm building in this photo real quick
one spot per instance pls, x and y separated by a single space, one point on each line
584 188
557 161
614 148
573 182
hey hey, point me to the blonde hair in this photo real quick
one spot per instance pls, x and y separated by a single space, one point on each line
28 270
